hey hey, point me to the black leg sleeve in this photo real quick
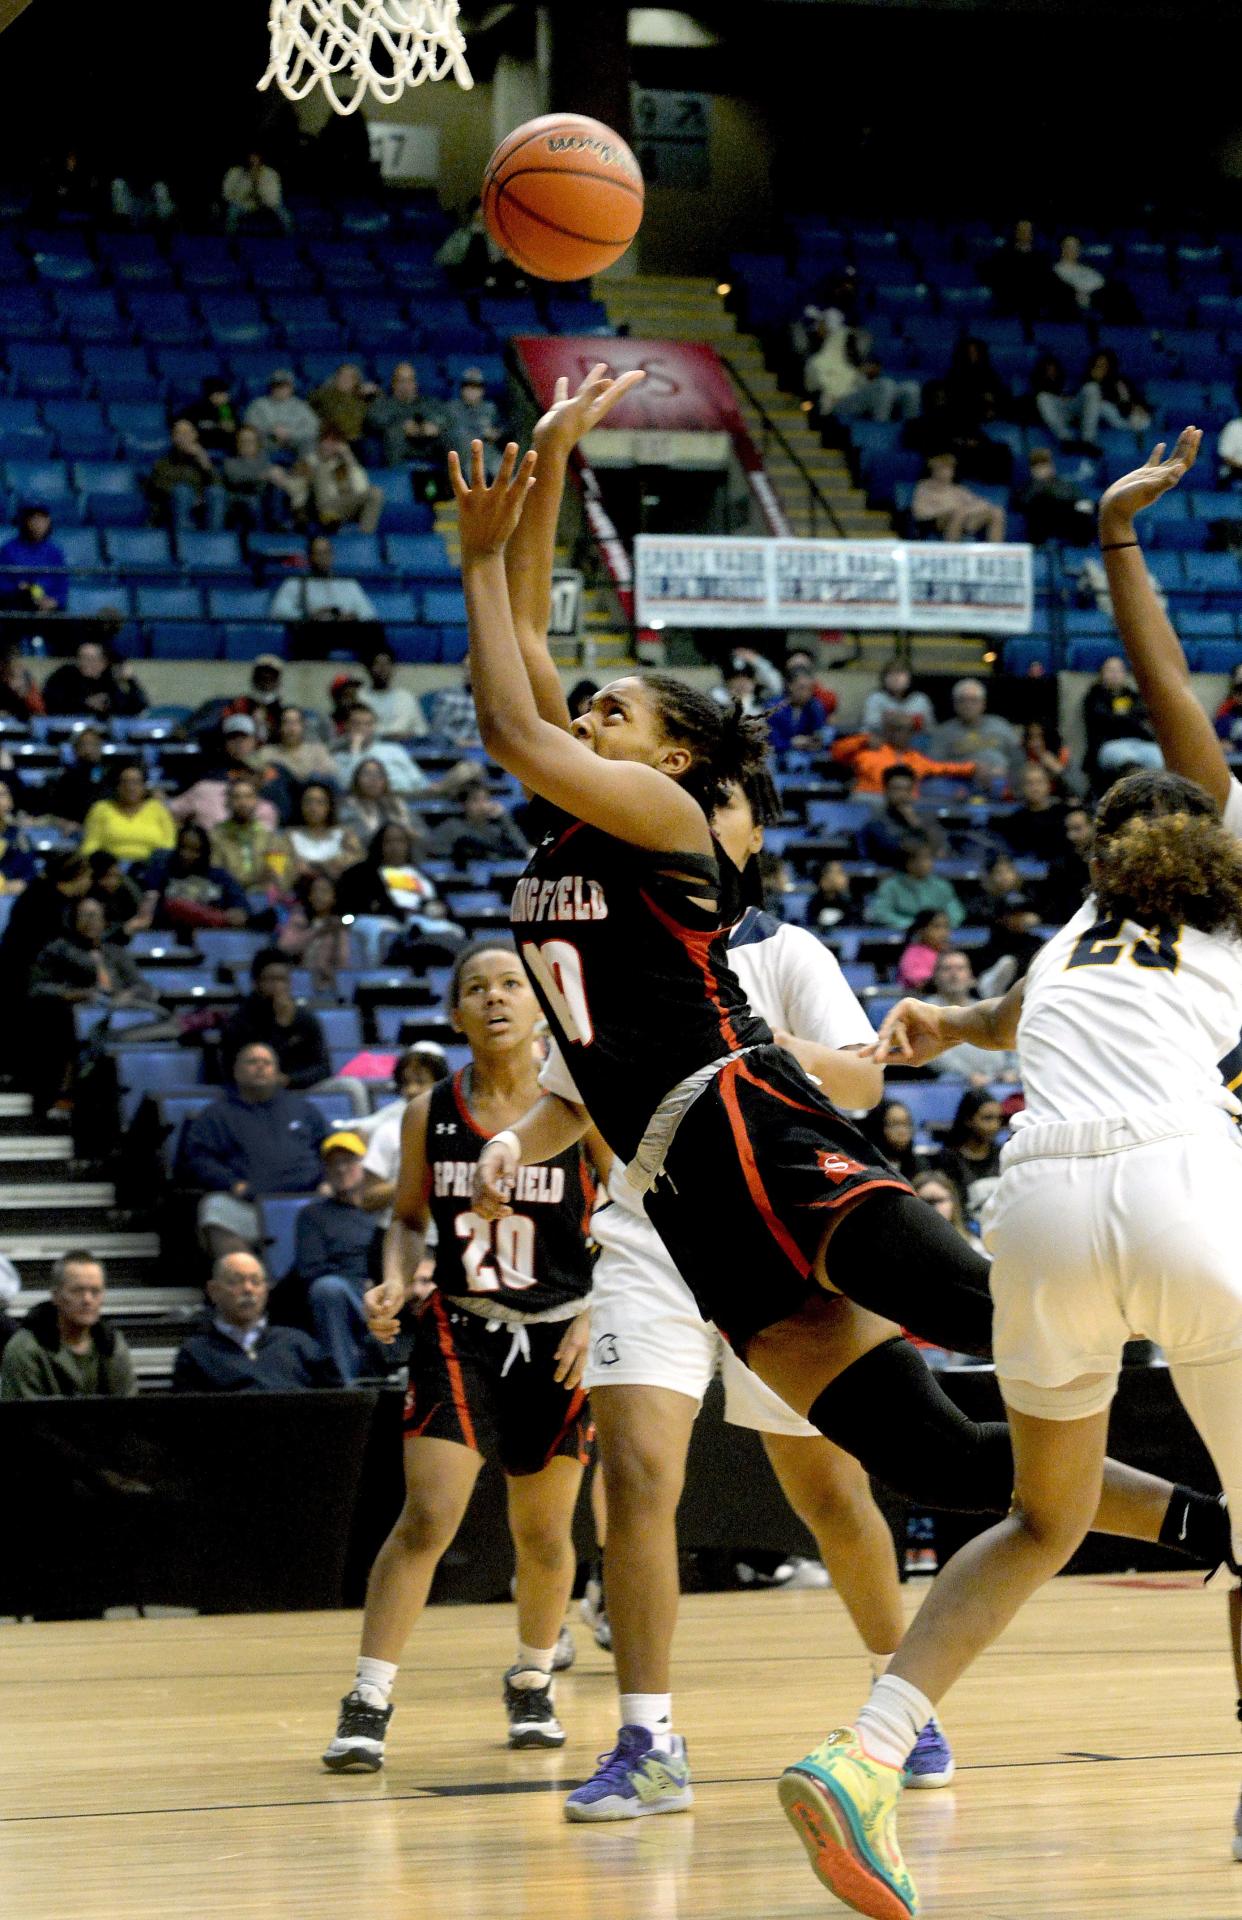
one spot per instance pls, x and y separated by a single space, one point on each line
903 1260
889 1411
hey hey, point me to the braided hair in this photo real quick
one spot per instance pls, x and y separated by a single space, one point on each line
728 747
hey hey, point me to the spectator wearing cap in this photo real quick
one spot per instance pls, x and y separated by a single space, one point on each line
263 702
336 1251
207 801
319 593
270 1016
484 831
472 416
361 743
235 1348
65 1349
258 1137
398 714
333 488
289 426
409 428
35 569
94 683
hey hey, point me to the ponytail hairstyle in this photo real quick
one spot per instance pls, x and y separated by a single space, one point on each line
1161 856
728 747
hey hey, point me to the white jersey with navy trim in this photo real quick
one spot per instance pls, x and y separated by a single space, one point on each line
1117 1018
790 979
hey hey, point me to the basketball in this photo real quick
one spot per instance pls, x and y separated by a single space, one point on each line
563 196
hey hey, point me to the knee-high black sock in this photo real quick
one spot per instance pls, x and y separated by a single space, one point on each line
889 1411
1197 1525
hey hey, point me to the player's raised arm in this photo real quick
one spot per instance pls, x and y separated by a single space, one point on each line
531 553
637 801
915 1032
1186 735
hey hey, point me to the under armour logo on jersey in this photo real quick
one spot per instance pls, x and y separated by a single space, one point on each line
838 1166
446 1126
606 1354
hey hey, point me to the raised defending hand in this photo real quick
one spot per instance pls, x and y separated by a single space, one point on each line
570 416
1156 476
494 1175
487 515
382 1306
571 1355
913 1033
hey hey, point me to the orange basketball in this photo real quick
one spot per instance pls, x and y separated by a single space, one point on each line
563 196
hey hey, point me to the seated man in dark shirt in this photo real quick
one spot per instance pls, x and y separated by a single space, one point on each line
886 839
87 778
483 832
337 1241
271 1014
234 1350
256 1138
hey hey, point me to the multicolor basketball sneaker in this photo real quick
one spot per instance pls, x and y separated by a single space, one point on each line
931 1759
636 1778
844 1807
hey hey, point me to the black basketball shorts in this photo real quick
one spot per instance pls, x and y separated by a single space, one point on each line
461 1389
754 1174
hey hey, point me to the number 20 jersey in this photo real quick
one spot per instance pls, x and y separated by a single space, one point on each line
533 1261
1118 1018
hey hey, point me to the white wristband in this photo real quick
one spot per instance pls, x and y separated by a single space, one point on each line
510 1140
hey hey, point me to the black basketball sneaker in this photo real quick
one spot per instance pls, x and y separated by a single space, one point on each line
358 1745
532 1714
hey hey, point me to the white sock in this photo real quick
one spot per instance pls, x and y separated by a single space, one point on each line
533 1665
373 1679
893 1719
654 1711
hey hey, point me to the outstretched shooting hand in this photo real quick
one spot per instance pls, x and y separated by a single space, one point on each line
572 415
487 515
1147 483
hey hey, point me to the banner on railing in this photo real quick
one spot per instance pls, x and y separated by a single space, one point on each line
694 580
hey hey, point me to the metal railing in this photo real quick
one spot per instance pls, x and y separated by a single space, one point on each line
817 500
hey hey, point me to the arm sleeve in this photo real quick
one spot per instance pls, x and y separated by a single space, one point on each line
817 999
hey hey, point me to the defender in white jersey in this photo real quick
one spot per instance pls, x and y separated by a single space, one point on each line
1115 1218
652 1356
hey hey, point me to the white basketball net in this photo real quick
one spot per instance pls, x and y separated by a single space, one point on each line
380 47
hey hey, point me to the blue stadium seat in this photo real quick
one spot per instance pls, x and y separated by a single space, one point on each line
392 604
38 480
104 476
444 606
185 640
1024 651
86 603
415 646
419 556
1168 569
139 550
150 1070
1085 623
91 313
342 1027
165 319
25 314
80 546
210 552
115 509
246 640
1213 656
932 1103
65 267
229 946
184 369
390 1020
1213 573
1207 626
117 373
20 416
280 1224
135 259
235 320
454 645
238 603
169 603
357 553
44 369
1088 656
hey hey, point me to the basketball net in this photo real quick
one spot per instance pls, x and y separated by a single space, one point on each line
382 47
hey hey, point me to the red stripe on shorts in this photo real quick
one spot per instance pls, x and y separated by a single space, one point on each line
754 1179
444 1334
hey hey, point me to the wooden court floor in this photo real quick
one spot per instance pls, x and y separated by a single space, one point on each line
168 1770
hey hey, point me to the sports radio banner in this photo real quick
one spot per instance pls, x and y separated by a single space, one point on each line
695 580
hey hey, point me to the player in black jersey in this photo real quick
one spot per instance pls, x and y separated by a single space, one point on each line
497 1360
796 1238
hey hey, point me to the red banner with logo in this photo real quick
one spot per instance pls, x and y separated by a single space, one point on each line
686 389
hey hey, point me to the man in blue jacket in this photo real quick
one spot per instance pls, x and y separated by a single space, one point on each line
234 1350
256 1138
35 571
337 1249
